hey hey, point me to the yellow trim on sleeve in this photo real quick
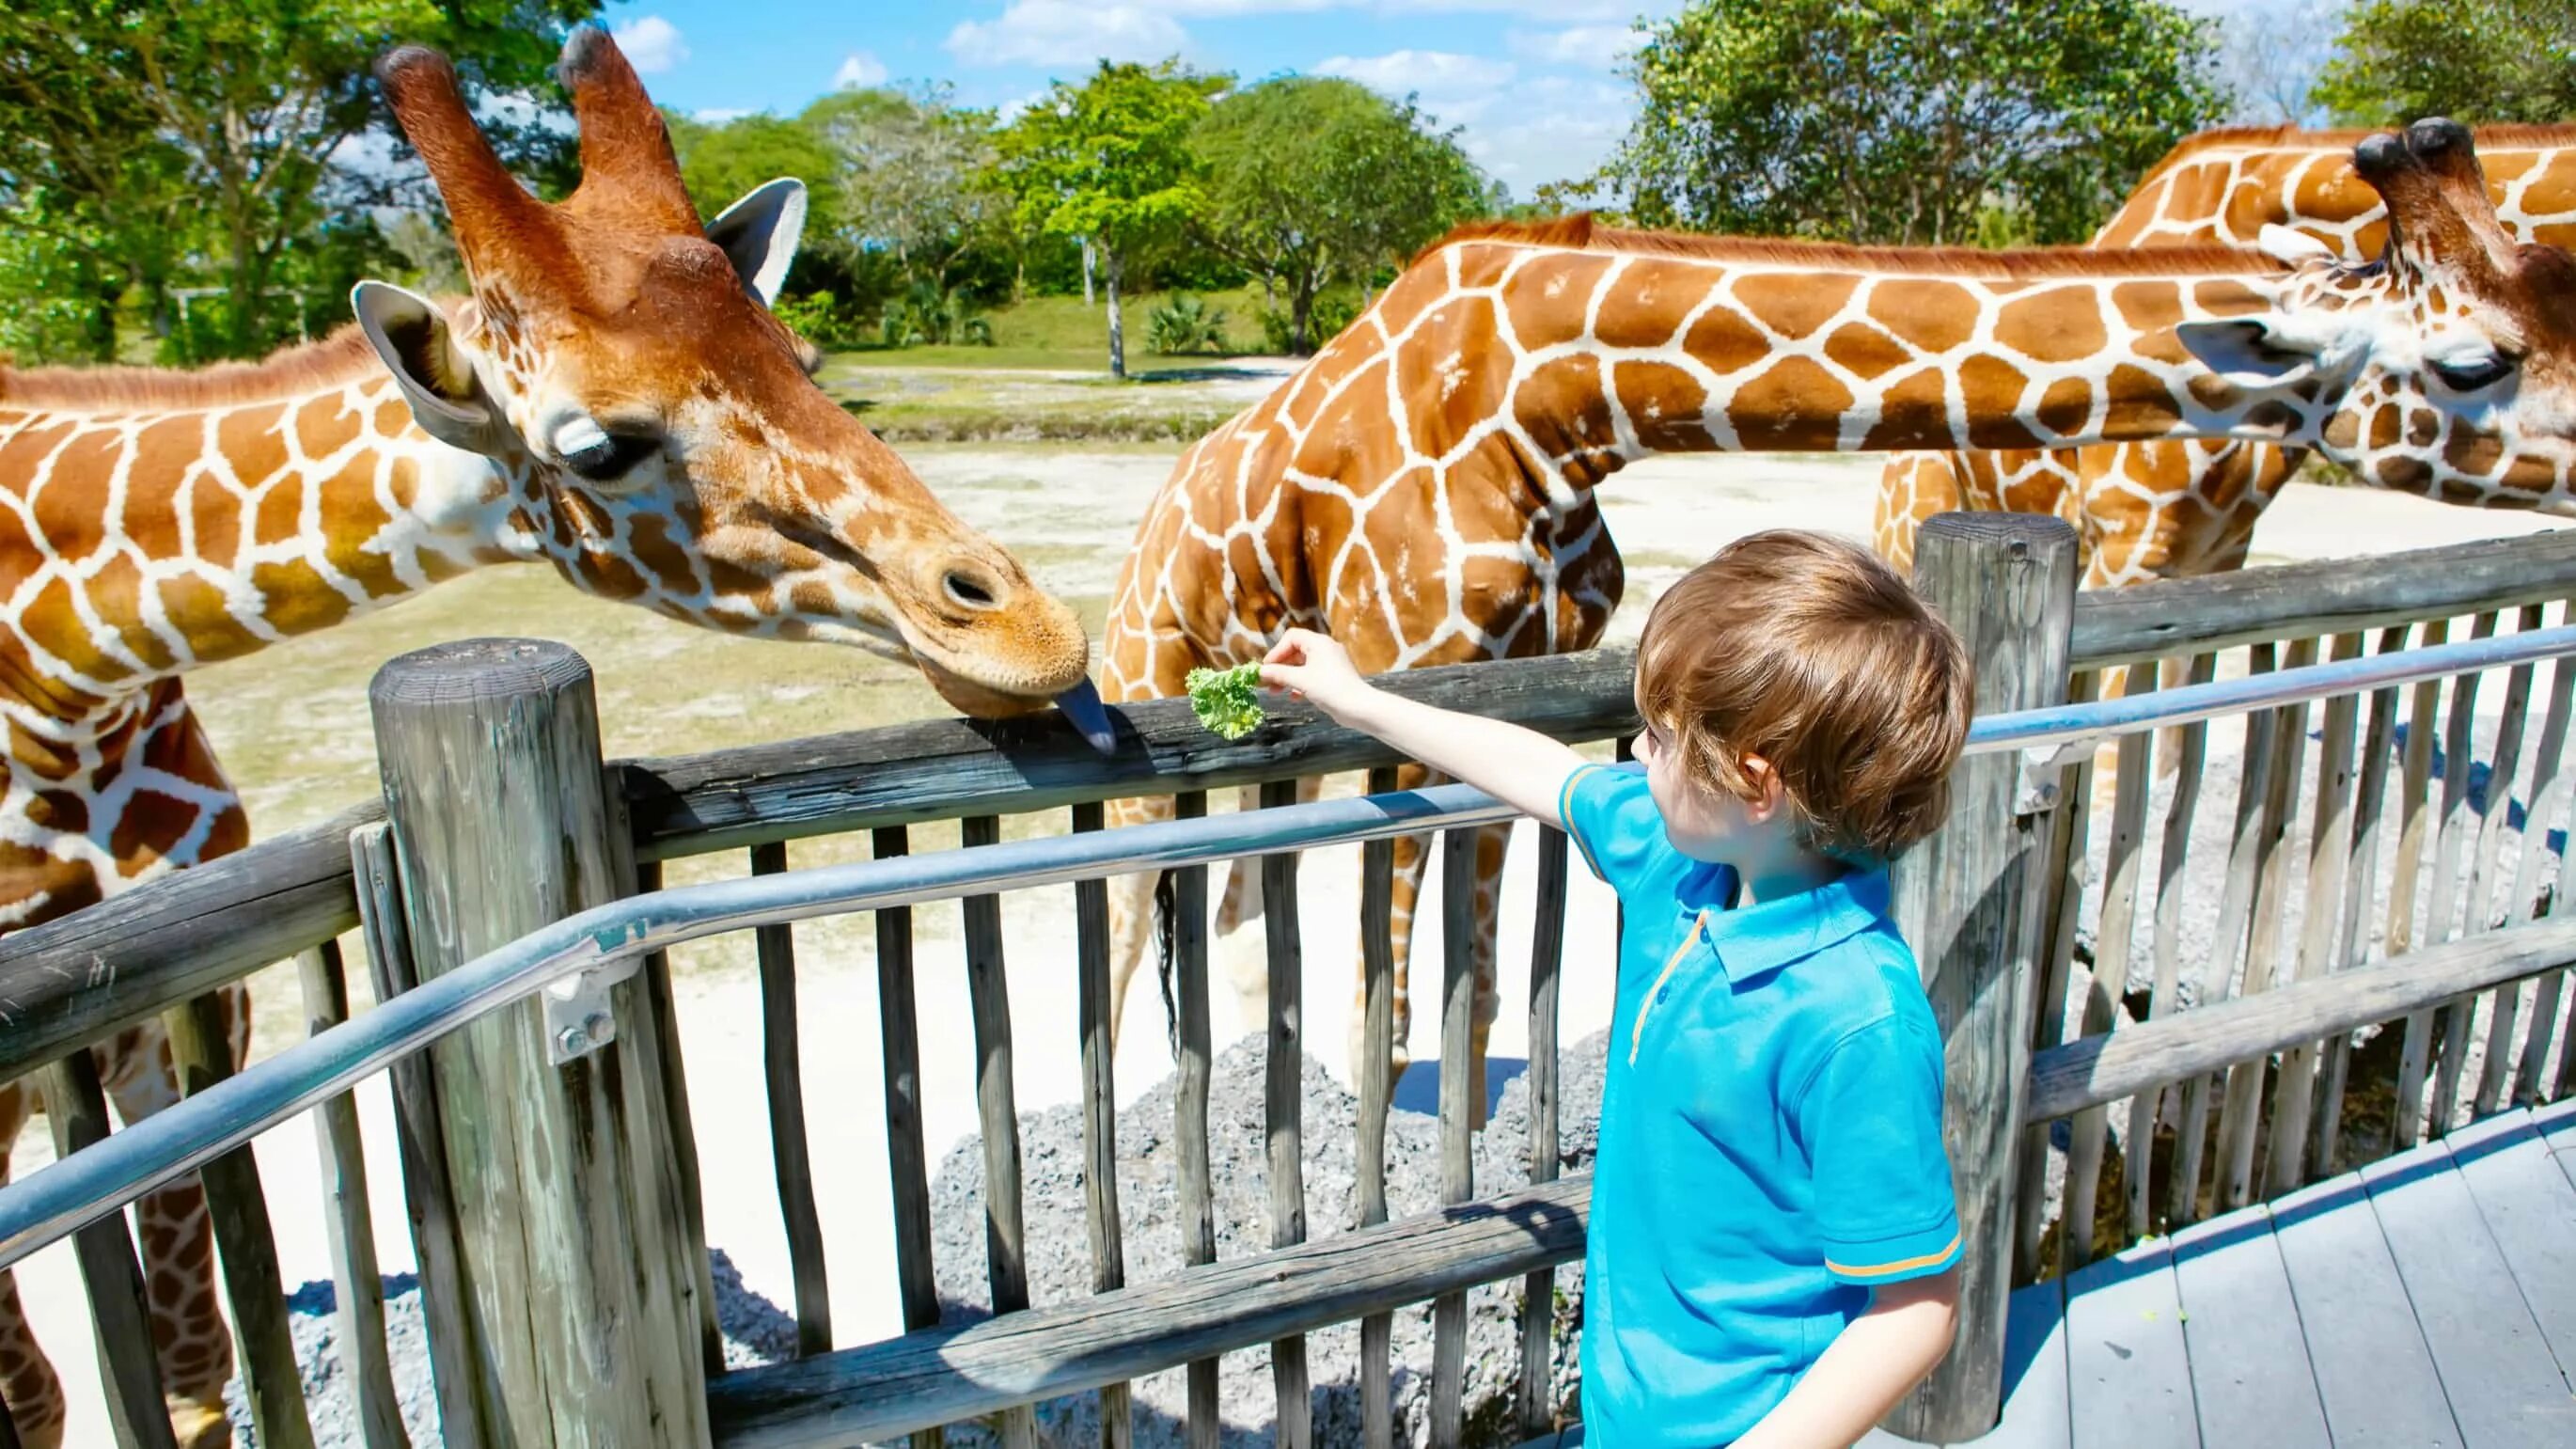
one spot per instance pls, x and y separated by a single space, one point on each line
1565 817
1902 1265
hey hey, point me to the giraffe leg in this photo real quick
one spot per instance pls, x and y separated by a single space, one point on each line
1131 907
1491 844
35 1394
1412 863
189 1334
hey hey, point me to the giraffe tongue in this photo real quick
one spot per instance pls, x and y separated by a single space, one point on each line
1081 704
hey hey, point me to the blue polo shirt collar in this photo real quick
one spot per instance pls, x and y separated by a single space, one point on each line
1764 937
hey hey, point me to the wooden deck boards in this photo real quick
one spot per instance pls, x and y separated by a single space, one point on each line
2424 1301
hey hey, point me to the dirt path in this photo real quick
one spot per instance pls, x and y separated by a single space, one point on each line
292 726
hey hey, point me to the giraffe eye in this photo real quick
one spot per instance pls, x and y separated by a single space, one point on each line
2471 376
610 457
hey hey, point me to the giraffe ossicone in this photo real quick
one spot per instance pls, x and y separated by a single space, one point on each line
1422 489
613 399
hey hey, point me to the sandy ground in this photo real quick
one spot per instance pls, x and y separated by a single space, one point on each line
292 725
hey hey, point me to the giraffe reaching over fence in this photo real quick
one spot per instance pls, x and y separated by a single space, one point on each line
2176 509
1422 489
613 399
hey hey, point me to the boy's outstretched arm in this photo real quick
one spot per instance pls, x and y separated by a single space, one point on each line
1866 1369
1522 768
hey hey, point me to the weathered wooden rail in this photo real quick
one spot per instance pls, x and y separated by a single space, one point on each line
2248 1082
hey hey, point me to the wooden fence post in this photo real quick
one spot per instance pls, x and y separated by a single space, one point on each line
571 1221
1972 903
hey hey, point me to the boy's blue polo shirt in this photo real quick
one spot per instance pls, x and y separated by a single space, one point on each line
1770 1131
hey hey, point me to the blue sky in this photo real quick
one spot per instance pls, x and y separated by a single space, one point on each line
1534 83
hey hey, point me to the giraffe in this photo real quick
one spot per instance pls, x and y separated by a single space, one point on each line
613 399
1422 489
2182 508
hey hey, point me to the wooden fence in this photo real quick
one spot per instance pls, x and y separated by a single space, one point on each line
2242 1092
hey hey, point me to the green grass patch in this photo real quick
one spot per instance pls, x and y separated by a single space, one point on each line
1061 334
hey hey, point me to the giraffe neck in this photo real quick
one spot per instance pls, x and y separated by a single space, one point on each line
137 543
1592 357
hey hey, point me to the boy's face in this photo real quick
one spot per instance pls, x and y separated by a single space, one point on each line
1704 824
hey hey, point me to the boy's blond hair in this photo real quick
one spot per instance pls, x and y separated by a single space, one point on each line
1812 654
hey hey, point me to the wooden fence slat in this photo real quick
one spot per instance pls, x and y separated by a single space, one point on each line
2069 827
429 1198
2546 806
907 1156
2452 844
1196 1210
2112 944
2086 1073
2369 826
2416 822
76 1111
1538 1291
2235 908
1100 1115
789 1149
1283 1108
989 1000
1377 1047
2274 849
680 1142
2504 1007
860 1395
1458 1109
2329 855
351 1222
2191 757
201 1049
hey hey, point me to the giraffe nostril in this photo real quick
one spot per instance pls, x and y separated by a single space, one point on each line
970 590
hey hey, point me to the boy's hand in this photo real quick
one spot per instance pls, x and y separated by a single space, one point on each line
1312 666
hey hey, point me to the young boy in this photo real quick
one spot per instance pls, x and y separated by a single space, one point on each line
1772 1232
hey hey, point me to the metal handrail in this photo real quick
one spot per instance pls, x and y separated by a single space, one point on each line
105 1176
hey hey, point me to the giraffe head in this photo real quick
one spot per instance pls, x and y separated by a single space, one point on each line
2449 363
660 436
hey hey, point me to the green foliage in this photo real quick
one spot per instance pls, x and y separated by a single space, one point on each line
818 317
1110 160
1314 180
2471 60
1186 324
1331 312
1227 700
722 162
162 142
1897 120
912 173
925 315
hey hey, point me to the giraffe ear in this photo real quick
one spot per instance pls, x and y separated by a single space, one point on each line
2270 353
2282 244
760 233
411 335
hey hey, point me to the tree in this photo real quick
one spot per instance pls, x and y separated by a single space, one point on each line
2270 60
1900 120
1314 180
2471 60
152 135
914 172
1110 160
720 163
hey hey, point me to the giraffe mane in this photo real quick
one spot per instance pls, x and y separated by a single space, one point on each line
2344 138
1580 232
340 356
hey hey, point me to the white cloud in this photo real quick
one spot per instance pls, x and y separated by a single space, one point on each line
718 115
1589 47
1058 32
1434 73
860 68
1557 130
652 44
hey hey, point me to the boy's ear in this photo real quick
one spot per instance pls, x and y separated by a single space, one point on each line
1770 794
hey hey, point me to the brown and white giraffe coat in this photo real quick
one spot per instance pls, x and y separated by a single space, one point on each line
1421 490
613 399
2176 509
